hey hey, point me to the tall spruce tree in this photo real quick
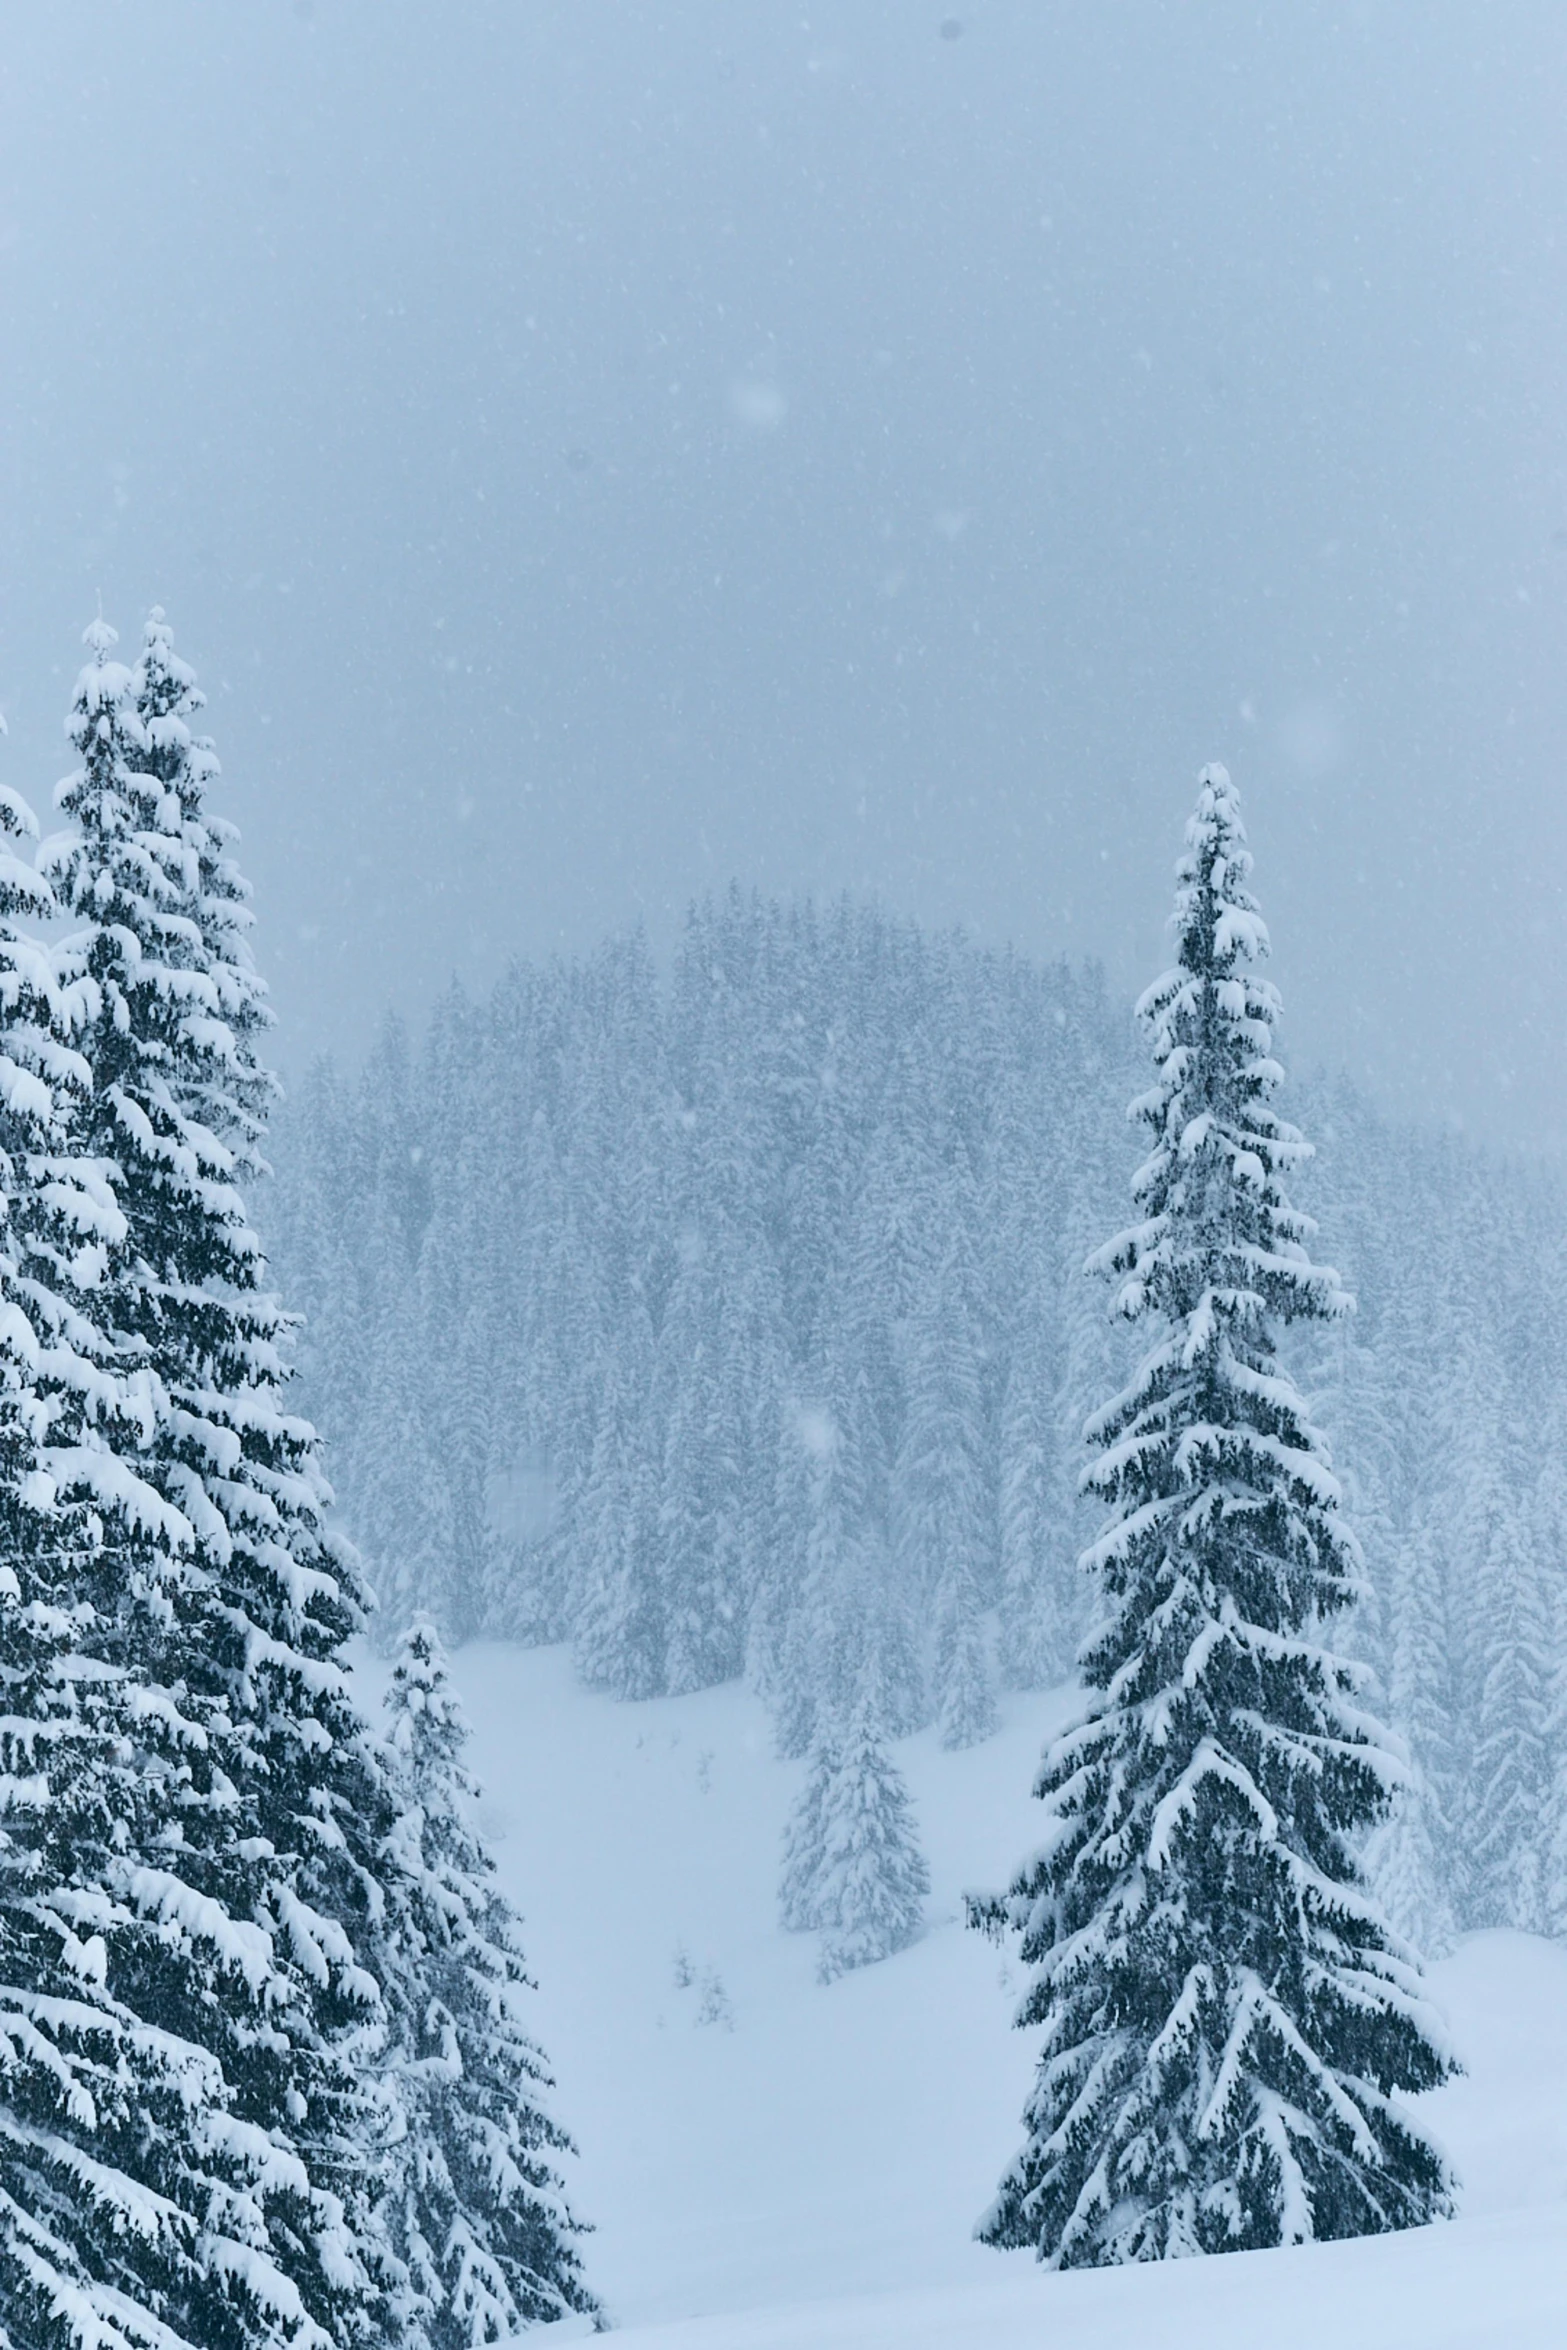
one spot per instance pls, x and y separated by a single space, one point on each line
1227 2019
267 1894
478 2209
139 2203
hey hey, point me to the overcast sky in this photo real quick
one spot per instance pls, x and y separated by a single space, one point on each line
594 449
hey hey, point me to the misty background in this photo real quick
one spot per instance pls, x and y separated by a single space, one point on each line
595 450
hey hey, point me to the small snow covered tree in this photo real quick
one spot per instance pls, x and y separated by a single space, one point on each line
1227 2019
873 1880
478 2211
852 1860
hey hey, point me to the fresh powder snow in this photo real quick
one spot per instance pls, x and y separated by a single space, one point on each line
809 2179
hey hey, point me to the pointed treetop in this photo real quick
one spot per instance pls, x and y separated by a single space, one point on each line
172 681
423 1651
98 704
428 1726
1217 1224
1216 920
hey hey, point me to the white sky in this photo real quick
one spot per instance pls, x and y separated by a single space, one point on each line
594 449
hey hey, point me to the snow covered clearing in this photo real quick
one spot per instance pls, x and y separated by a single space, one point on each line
771 2164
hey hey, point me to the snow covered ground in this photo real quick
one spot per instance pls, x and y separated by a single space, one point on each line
774 2165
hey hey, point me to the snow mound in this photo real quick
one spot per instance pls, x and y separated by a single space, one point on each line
1458 2286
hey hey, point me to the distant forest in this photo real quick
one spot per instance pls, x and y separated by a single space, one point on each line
735 1321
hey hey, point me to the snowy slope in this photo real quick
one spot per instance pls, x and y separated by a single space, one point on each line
804 2172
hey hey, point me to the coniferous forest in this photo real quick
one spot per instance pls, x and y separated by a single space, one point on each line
738 1321
783 1403
734 1320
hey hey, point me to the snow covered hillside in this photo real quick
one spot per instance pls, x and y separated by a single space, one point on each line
775 2165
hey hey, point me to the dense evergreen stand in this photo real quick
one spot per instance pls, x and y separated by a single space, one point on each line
1227 2019
629 1254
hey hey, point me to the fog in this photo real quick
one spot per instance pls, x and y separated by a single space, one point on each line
594 450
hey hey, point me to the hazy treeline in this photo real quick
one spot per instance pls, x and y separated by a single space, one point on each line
734 1321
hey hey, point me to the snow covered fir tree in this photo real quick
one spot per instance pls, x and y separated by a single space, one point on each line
1228 2022
477 2210
202 2092
133 2200
852 1866
268 1884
